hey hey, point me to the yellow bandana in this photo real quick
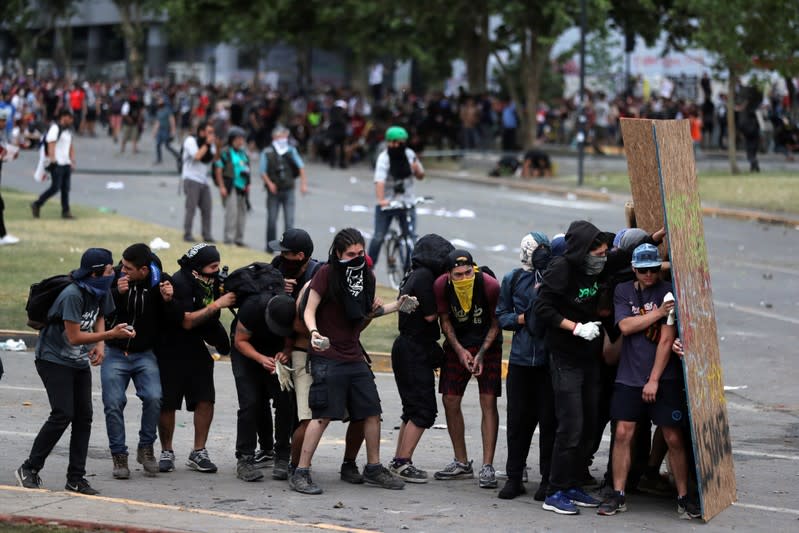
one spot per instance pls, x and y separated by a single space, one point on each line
463 290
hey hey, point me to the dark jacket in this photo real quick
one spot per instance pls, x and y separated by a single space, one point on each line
568 292
517 297
143 308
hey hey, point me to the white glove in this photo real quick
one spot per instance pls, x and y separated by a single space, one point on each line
408 304
284 376
670 318
588 331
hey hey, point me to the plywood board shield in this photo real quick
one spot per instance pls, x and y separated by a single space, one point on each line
660 161
639 148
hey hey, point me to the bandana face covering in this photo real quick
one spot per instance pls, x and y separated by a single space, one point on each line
464 289
541 257
593 264
526 251
207 286
353 285
281 146
97 286
290 268
353 275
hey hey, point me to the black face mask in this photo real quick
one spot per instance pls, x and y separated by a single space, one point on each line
541 257
290 268
399 168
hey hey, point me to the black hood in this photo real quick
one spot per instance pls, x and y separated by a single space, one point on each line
431 251
579 237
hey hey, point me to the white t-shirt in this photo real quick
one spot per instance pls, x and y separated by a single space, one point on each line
61 145
193 169
376 74
382 175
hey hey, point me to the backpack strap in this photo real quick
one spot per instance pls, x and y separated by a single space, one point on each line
514 280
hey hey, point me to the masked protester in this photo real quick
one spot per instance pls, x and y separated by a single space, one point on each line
280 166
199 151
72 340
466 298
341 301
186 366
568 304
529 386
395 172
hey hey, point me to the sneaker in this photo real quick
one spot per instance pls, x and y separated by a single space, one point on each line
488 479
560 504
281 469
512 489
381 477
121 470
350 473
35 210
408 473
581 498
81 486
27 477
146 458
68 216
166 463
263 458
657 486
301 482
199 461
9 239
456 470
541 492
188 237
688 509
612 505
246 469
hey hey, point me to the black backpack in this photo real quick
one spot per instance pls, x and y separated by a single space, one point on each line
42 296
254 279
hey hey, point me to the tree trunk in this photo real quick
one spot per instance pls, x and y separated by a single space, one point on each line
303 66
731 122
532 68
130 16
358 74
476 50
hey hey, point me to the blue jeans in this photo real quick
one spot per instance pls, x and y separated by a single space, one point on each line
165 141
115 373
383 221
273 203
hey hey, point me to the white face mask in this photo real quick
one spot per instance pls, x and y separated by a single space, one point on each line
281 145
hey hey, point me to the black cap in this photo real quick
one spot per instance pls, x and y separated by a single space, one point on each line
459 257
294 240
279 315
93 260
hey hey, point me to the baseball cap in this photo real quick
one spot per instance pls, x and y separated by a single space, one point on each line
92 260
459 257
645 256
294 240
279 315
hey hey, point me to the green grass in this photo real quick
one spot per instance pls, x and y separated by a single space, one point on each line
769 191
51 246
41 528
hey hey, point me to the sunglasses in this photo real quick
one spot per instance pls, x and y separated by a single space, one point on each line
648 270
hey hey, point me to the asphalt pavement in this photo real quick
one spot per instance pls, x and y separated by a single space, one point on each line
755 279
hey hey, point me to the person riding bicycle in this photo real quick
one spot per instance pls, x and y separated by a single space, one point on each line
396 168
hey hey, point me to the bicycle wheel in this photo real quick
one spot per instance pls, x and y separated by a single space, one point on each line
394 262
405 249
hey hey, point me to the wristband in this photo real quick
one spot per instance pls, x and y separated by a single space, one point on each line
313 330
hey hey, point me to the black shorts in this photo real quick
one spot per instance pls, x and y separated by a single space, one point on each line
454 376
668 409
342 390
416 380
186 379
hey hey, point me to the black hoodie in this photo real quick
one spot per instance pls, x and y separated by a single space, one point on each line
143 308
568 292
428 259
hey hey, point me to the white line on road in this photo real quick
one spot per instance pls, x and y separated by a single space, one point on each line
18 433
752 453
757 312
766 508
554 202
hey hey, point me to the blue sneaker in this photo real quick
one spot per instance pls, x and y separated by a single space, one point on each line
560 504
579 497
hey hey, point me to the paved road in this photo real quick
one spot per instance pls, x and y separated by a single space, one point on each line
755 275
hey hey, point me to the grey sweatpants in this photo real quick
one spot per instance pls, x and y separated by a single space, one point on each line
235 216
197 195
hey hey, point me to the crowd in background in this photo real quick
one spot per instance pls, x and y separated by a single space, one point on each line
344 126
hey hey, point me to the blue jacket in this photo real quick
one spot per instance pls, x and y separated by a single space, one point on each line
525 349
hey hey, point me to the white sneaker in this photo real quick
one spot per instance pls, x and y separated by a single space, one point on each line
9 239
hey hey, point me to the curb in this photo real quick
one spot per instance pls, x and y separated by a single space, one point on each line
30 337
23 520
747 214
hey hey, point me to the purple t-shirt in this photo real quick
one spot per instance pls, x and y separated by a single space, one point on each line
638 350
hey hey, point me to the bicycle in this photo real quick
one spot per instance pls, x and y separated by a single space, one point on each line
399 243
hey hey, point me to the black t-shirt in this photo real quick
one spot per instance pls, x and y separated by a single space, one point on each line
177 342
251 316
420 284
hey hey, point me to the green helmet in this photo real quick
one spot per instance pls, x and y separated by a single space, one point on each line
396 133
